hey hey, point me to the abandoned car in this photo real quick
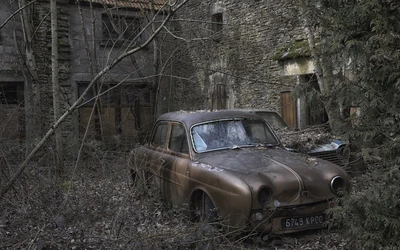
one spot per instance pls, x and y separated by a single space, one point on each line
230 167
333 150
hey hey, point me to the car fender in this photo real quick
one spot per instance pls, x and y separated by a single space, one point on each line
231 195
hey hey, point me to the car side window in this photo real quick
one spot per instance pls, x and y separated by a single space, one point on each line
178 141
160 136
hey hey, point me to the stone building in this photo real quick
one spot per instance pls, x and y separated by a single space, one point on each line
213 55
91 34
249 54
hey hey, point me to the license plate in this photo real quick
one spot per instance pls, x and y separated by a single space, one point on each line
304 221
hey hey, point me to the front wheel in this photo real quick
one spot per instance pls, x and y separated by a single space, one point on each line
203 208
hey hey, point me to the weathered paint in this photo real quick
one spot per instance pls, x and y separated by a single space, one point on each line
233 178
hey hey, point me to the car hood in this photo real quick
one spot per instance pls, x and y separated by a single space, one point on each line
333 145
293 178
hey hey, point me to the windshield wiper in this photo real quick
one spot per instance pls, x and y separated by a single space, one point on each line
242 146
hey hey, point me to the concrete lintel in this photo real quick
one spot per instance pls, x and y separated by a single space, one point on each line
298 66
217 7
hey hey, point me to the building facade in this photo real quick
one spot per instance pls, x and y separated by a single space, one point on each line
214 54
249 54
91 34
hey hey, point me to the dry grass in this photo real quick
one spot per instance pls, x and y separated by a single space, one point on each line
97 206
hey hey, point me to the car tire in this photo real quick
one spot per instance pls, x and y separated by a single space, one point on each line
204 208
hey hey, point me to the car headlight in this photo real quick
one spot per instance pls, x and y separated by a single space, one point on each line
338 185
264 196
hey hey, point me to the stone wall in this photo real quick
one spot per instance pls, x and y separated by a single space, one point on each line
42 48
240 57
10 69
253 32
135 70
74 62
180 89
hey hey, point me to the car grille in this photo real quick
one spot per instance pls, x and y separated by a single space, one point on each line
331 156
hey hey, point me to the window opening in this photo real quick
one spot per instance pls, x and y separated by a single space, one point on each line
11 112
219 97
123 110
217 22
119 29
8 94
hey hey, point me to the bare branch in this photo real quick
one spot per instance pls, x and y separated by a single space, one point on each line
16 12
183 39
80 99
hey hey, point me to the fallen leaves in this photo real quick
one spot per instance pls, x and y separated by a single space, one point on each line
106 210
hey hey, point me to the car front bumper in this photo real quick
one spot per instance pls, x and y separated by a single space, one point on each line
283 220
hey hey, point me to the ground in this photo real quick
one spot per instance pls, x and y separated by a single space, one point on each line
95 205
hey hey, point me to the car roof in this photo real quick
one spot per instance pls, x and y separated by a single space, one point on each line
190 118
256 110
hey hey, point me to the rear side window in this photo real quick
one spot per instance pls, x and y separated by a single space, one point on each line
178 141
160 136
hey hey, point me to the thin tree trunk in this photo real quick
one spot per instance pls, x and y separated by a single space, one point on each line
56 84
93 67
325 83
315 57
98 121
31 88
156 79
156 67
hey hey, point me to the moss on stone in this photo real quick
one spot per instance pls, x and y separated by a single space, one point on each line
293 50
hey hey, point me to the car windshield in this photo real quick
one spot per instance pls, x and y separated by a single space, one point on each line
231 133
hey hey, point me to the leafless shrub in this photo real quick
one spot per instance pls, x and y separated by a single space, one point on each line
97 205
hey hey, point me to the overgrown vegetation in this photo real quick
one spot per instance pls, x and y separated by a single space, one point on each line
361 44
96 205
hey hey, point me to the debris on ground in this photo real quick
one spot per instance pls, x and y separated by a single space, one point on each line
98 206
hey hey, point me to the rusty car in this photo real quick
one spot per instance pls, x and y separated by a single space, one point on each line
230 167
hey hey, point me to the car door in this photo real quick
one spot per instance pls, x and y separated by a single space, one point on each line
168 155
175 165
154 153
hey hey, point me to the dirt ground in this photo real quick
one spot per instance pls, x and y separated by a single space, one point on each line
97 206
